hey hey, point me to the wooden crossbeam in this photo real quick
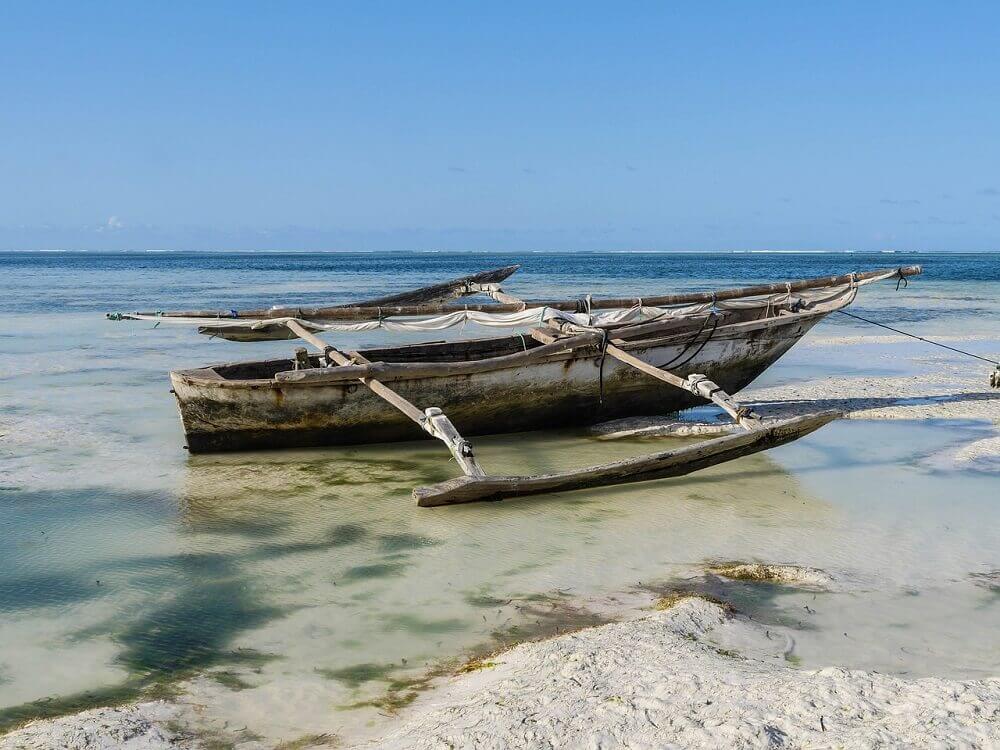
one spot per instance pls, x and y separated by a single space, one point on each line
699 385
432 421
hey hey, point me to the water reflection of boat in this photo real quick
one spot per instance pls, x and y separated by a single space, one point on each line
578 362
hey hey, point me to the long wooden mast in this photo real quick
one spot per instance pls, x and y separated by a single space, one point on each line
366 312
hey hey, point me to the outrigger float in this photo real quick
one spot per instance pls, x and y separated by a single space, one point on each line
578 361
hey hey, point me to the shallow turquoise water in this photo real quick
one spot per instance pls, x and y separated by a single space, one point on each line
309 576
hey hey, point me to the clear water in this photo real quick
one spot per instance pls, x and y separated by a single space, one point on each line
299 583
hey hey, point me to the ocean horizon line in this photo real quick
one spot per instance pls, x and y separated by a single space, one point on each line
160 251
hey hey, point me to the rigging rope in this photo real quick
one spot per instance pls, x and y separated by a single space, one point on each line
918 338
604 354
691 342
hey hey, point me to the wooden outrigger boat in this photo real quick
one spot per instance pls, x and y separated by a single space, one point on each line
577 362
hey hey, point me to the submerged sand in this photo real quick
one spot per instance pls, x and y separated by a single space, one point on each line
692 674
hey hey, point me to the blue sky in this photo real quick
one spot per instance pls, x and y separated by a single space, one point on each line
515 126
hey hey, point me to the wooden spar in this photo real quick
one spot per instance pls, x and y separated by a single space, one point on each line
433 420
671 463
472 284
373 313
696 384
408 371
475 283
499 295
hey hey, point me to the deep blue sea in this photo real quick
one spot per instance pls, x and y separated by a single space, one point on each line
68 281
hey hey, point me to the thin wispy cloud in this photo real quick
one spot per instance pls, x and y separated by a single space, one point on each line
899 202
937 220
990 192
111 225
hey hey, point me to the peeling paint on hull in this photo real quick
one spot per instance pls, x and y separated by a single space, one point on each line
262 414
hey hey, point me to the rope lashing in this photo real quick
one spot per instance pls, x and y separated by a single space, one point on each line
994 376
600 369
901 279
675 362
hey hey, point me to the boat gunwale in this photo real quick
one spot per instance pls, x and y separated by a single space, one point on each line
200 377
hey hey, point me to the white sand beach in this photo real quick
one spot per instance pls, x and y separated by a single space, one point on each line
691 676
690 673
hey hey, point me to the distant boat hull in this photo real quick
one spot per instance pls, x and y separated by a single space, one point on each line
243 407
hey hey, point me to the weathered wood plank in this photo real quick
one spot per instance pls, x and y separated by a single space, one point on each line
373 385
672 463
389 371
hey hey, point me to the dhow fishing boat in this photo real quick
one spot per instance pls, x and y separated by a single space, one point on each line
567 362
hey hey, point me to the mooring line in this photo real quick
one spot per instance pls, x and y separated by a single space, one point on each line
918 338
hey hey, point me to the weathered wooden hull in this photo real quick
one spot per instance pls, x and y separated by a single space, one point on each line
226 415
